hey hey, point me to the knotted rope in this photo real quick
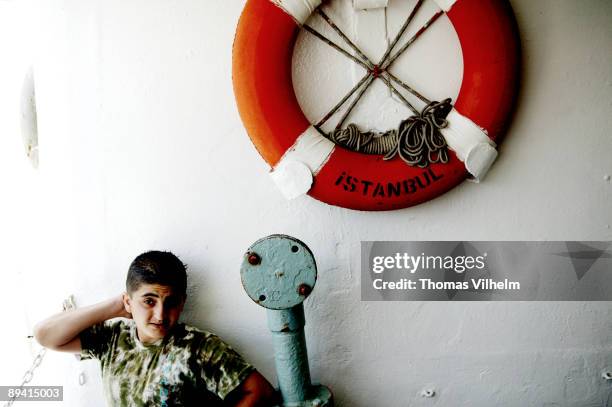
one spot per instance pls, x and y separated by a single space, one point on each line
417 141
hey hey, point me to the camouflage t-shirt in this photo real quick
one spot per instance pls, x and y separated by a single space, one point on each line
188 367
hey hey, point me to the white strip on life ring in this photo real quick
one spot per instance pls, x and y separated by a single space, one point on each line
300 10
445 4
295 171
369 4
470 143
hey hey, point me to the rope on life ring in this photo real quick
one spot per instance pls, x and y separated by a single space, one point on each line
417 141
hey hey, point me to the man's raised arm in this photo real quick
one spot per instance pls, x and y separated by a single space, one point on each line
61 331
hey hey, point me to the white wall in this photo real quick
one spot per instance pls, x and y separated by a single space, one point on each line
141 147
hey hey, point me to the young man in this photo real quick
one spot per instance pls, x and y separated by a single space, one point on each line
151 359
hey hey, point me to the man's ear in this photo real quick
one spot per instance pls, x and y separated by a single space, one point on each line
127 303
181 306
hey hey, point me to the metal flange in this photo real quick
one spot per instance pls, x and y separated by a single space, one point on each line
278 272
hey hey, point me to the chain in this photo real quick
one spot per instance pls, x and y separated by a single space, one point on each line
29 375
68 304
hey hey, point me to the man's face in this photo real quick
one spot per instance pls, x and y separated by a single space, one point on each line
155 309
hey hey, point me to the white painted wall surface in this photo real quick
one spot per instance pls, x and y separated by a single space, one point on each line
141 147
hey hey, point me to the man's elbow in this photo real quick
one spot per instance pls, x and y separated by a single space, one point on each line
40 334
43 335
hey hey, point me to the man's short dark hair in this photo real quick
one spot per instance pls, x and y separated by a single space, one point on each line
156 267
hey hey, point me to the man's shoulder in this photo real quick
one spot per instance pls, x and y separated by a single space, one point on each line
105 338
119 323
188 336
191 333
109 327
118 326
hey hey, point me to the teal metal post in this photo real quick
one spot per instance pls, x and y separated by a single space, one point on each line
290 355
278 272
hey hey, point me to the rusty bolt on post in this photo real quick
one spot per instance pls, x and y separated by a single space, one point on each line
254 259
304 289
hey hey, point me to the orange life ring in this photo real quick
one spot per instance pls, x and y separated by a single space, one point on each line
262 57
